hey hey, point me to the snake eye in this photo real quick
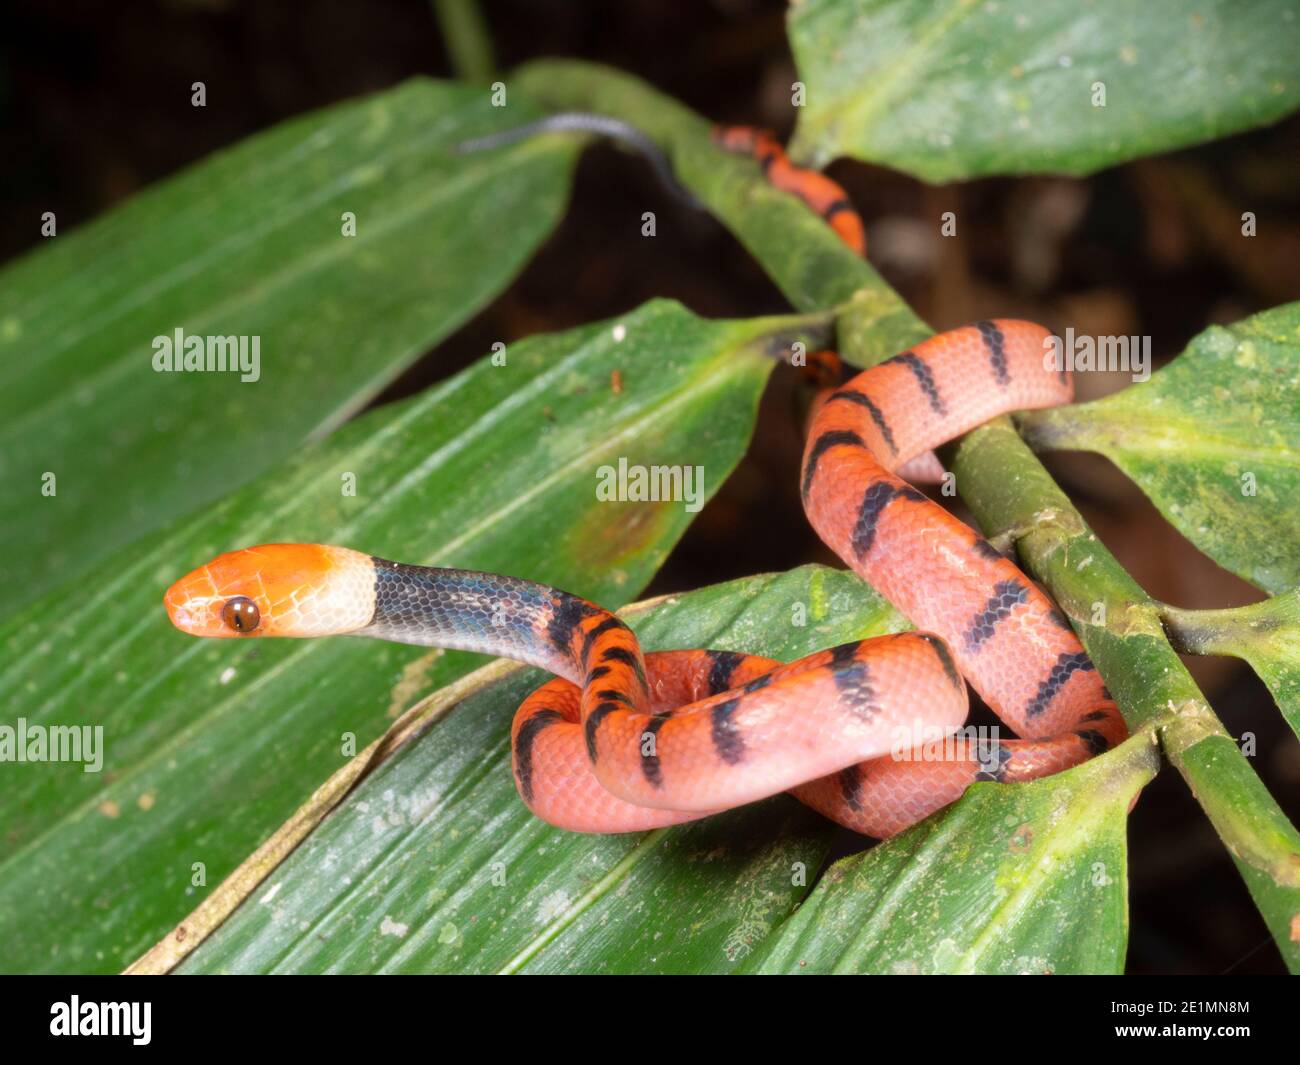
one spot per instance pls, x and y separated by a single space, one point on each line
241 614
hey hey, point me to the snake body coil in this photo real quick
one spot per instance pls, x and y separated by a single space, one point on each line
621 741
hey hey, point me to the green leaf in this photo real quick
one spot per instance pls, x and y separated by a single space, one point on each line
433 863
210 744
1265 634
1130 647
1275 656
1022 878
1135 655
962 88
1214 440
248 243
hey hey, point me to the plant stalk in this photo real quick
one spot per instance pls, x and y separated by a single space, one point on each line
998 476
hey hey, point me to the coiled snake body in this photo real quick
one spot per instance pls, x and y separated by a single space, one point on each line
621 740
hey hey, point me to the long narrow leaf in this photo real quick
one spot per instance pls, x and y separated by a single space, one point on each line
97 447
434 864
962 88
208 745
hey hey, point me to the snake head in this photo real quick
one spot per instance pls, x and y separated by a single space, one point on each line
276 590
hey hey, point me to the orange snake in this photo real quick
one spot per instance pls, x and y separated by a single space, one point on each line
622 741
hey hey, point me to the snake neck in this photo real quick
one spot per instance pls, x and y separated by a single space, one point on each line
502 616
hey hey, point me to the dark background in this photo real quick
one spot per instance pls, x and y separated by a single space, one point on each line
94 100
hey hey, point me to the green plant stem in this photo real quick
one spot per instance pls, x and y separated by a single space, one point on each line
999 477
1121 627
1233 630
466 36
